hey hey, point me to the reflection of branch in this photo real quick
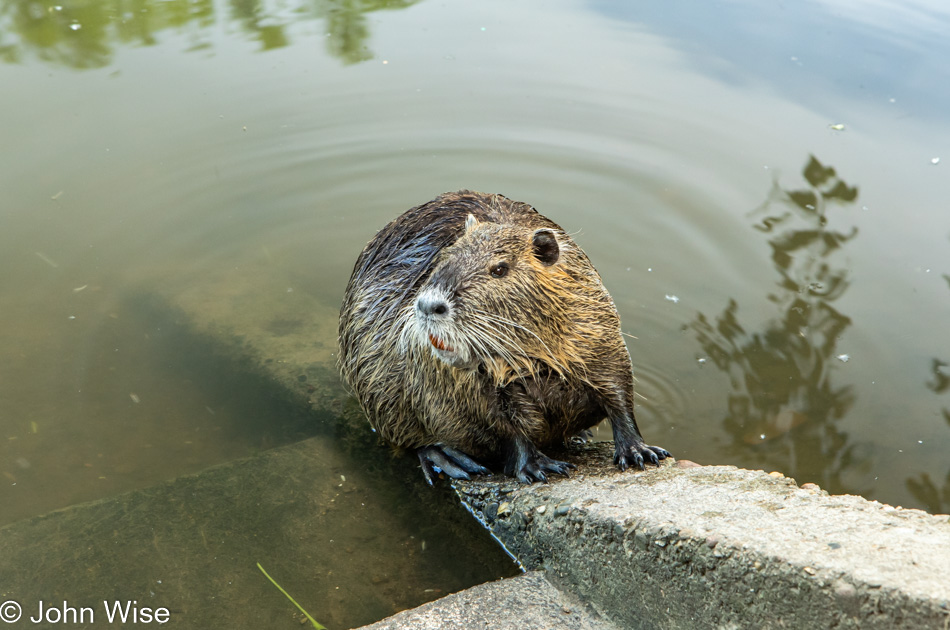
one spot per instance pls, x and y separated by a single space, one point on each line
346 25
936 500
781 376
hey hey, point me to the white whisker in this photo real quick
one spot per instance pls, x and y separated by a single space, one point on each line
502 320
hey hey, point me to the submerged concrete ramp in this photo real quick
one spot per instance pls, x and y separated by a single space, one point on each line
328 532
720 547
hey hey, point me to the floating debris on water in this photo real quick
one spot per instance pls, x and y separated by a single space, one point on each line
672 298
837 127
135 398
57 195
78 289
701 360
782 423
935 160
844 358
49 261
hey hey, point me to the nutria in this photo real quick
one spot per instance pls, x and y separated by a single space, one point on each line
473 328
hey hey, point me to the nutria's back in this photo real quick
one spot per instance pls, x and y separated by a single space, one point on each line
475 323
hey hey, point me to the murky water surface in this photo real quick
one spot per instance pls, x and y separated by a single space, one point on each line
763 189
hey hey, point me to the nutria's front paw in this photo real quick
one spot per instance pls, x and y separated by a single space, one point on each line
456 464
635 454
536 467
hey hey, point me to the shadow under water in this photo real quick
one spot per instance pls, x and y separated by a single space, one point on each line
784 408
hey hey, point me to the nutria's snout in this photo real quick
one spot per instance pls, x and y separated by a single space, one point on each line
437 328
432 305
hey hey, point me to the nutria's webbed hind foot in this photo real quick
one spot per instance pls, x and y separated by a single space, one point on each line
527 464
636 452
437 458
584 437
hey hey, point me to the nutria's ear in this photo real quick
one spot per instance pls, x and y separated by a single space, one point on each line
470 223
546 248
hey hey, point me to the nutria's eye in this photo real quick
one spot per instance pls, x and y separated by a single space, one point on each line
499 270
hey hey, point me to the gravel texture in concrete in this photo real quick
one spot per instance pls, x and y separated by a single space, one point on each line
526 602
720 547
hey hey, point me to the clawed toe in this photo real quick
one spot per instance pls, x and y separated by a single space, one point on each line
539 467
638 454
438 458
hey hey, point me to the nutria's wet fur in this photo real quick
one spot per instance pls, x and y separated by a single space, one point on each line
474 328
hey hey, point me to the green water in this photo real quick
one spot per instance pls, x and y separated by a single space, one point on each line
763 189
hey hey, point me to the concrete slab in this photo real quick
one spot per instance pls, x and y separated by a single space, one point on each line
526 602
720 547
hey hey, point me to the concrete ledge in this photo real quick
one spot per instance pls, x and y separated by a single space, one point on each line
526 602
720 547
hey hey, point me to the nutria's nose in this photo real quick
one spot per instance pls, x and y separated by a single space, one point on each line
432 305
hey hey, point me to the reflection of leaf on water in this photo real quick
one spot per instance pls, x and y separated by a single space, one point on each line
935 500
941 372
85 34
255 19
70 34
781 377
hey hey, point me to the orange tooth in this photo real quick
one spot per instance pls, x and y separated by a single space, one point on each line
439 344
